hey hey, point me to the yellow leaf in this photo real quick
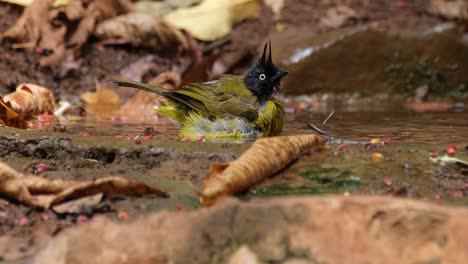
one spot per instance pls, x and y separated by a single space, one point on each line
103 101
28 2
212 19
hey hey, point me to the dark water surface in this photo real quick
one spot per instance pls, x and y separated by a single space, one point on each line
399 125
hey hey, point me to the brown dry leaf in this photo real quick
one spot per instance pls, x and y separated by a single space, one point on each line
140 107
39 192
141 29
337 16
276 6
263 159
62 30
450 8
9 117
30 99
103 101
78 206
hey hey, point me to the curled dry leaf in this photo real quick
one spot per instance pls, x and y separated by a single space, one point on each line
337 16
63 30
141 29
39 192
9 117
30 99
450 8
276 6
212 19
29 2
263 159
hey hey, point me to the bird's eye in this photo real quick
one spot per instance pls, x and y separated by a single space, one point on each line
262 76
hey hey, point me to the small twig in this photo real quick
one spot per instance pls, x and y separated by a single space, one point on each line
216 44
331 138
329 116
320 131
24 45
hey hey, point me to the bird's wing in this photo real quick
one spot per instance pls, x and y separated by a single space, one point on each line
226 97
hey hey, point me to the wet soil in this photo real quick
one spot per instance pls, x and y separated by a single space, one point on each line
179 167
405 170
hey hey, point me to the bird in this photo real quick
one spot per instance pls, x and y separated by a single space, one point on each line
232 107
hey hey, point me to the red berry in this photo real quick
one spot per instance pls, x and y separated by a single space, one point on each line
201 138
434 154
81 219
149 137
185 139
180 207
122 215
138 141
24 221
451 151
388 181
342 145
41 167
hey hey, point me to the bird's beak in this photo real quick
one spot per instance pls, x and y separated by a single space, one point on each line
276 79
280 74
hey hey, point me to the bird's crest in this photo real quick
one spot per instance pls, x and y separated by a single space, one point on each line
265 62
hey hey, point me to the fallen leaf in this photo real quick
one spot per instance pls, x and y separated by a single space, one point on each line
263 159
30 99
140 29
56 3
9 117
212 19
161 8
61 31
39 192
449 8
79 206
337 16
432 106
140 107
135 71
276 6
450 159
103 101
377 156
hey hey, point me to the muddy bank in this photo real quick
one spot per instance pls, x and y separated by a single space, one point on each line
309 230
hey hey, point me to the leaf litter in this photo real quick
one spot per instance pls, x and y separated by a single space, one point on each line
39 192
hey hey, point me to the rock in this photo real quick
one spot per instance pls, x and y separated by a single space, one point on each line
370 61
323 229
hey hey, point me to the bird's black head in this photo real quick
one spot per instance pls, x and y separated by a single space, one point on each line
264 78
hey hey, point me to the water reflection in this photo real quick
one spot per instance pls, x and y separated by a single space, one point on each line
400 126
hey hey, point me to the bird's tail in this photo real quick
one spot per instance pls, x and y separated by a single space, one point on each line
143 86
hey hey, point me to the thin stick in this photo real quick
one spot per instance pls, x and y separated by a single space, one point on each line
329 116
